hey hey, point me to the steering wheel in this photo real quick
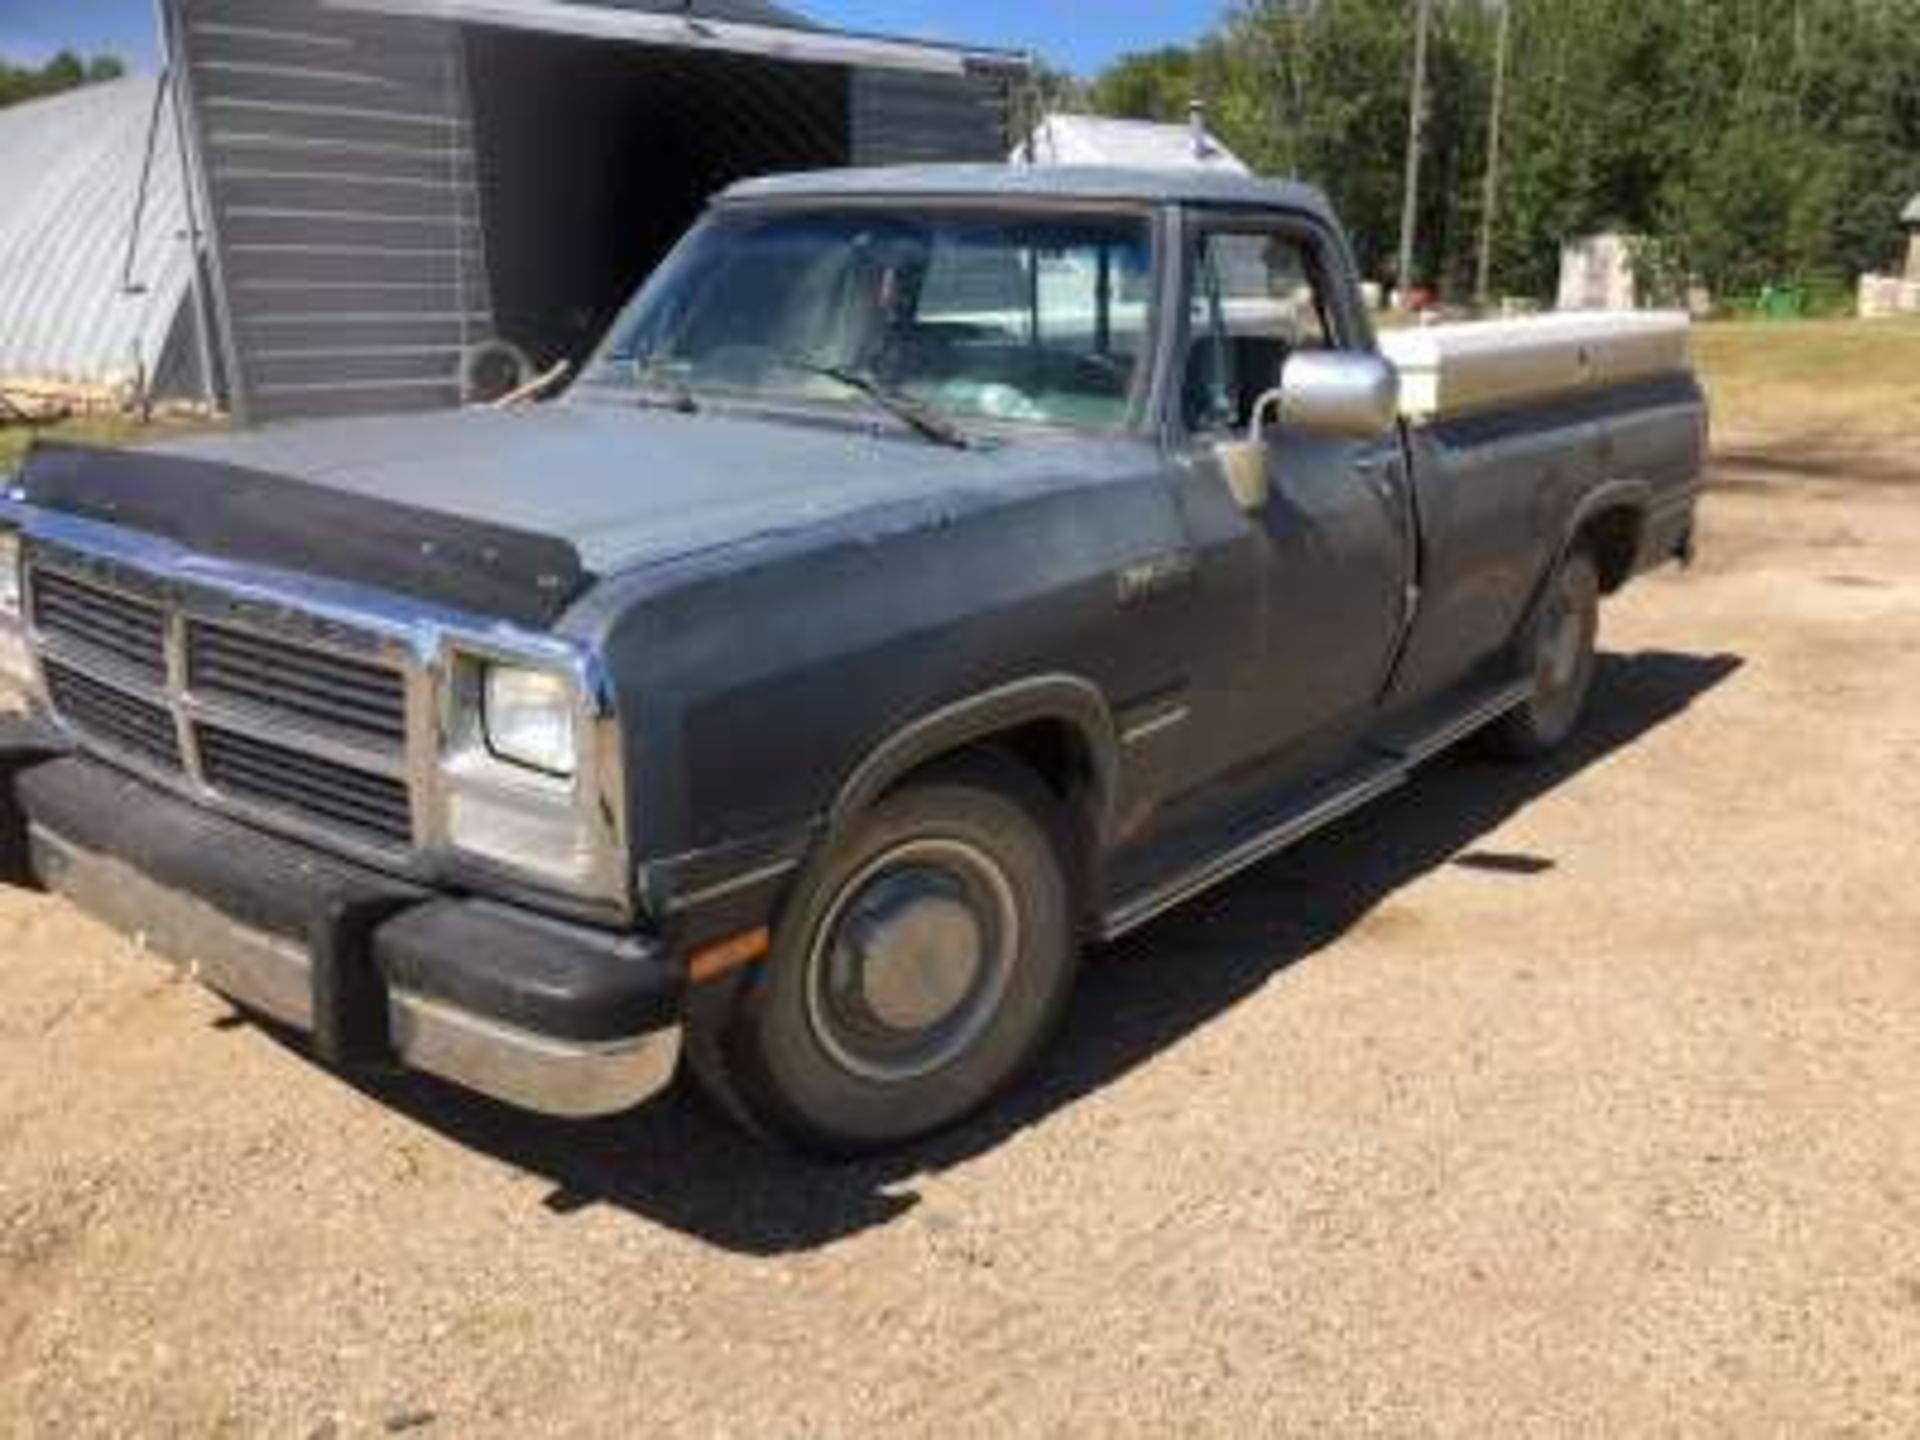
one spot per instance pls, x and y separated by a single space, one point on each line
1107 370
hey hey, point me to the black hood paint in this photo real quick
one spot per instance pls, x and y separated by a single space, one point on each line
235 513
631 485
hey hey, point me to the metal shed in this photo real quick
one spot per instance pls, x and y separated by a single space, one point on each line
94 278
392 186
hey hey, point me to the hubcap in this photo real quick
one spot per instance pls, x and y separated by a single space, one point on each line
910 962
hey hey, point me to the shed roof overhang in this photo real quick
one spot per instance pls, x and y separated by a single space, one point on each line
696 32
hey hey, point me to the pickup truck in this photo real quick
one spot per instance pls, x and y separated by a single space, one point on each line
935 571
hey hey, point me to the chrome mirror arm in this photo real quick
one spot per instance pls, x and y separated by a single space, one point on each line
1275 400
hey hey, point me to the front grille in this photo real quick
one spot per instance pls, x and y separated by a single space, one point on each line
112 716
315 687
127 630
255 703
305 785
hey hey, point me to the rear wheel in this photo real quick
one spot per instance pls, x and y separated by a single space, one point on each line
918 968
1560 650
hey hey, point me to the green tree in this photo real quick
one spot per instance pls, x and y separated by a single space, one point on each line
1748 141
1153 85
65 71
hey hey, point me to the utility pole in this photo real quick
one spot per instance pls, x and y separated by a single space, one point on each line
1416 142
1490 199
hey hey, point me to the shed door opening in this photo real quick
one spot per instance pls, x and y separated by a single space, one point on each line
594 157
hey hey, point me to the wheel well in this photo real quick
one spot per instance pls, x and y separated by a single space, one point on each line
1613 539
1057 754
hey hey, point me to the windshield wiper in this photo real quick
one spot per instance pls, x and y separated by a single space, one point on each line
924 422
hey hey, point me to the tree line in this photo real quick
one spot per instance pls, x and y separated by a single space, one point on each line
1747 142
65 71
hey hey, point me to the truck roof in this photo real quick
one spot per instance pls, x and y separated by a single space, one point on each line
1037 182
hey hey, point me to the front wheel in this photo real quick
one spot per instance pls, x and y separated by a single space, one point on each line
917 969
1560 650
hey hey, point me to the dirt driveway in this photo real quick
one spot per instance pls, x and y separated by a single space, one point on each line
1583 1097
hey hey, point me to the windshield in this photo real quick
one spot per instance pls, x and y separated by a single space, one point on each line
960 312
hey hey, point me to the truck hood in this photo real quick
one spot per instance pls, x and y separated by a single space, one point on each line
623 485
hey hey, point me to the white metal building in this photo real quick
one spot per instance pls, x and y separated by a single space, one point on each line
94 271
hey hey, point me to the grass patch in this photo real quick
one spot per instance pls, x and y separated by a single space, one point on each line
1814 376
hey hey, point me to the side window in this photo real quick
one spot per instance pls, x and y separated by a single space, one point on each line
1255 300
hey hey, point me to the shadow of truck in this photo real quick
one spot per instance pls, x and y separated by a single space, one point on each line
677 1165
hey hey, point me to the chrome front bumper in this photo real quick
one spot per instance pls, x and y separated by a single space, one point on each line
541 1015
273 976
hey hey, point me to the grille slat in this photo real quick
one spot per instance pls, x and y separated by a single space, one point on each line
259 781
96 620
271 648
259 770
116 717
129 629
375 683
297 768
336 691
220 679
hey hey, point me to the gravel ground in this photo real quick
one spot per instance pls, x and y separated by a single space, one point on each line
1574 1098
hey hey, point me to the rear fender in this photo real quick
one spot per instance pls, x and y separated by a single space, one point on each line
1613 497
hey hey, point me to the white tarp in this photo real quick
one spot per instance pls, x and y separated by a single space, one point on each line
1130 144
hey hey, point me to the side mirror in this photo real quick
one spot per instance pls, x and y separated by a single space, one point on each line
1336 395
1329 394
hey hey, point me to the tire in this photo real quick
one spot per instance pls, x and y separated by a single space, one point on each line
1559 651
917 969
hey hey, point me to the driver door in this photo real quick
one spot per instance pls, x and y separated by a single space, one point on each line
1319 576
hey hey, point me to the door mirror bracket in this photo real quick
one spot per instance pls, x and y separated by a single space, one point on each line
1247 461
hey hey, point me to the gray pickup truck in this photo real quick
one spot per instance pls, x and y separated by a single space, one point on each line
934 571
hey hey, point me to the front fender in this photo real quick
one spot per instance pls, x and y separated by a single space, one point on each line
1066 699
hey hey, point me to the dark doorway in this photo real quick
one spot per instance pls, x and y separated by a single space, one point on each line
594 156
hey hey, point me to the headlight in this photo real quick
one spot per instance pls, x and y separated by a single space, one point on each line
9 573
530 782
528 716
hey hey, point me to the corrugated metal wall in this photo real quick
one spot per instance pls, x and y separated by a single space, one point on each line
70 169
336 152
906 118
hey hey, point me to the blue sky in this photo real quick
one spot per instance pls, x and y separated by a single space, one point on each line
1080 35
